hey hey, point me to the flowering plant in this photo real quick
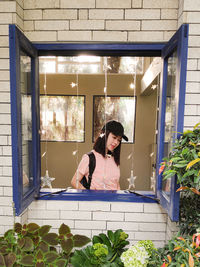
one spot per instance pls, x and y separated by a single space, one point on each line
183 252
137 255
184 161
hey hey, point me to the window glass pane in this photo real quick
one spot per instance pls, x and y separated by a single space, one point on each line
170 114
78 68
91 64
26 121
62 118
117 108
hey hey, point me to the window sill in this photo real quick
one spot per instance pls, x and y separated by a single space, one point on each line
98 195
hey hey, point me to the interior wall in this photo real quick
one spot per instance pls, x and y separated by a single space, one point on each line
62 163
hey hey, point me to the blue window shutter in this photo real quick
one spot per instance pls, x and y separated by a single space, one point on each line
178 42
18 44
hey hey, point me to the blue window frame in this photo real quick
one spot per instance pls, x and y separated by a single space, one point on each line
174 56
24 119
19 45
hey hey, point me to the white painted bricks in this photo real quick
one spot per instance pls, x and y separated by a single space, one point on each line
160 4
106 14
113 4
59 14
137 219
37 4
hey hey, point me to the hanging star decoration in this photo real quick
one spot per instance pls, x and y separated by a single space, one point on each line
131 180
47 180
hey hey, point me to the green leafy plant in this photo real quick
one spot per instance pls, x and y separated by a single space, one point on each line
184 161
105 251
183 252
32 245
189 218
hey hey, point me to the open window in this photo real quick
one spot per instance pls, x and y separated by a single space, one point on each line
54 83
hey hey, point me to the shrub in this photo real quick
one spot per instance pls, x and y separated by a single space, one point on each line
105 251
184 162
178 252
32 245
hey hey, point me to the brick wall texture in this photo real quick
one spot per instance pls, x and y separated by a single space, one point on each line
85 21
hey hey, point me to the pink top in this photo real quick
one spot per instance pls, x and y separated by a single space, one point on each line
106 173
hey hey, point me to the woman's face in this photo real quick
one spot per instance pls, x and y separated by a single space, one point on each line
112 141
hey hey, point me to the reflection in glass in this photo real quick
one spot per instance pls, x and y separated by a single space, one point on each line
62 118
118 108
26 121
90 65
170 113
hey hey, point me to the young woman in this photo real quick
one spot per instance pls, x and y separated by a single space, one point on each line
107 154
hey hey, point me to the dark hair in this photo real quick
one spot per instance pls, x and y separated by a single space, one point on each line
100 147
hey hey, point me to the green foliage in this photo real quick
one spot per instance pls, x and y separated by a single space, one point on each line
179 252
105 252
189 219
32 245
184 161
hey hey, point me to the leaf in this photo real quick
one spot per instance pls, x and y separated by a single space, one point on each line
196 125
117 236
64 229
27 260
28 244
180 165
39 255
32 227
182 188
51 256
10 235
67 245
43 246
21 242
175 159
44 230
51 239
17 228
61 263
96 239
80 240
4 249
111 235
169 175
2 261
194 190
169 258
105 240
177 248
197 255
191 163
185 151
191 260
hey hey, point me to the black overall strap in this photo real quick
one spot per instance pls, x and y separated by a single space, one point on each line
92 165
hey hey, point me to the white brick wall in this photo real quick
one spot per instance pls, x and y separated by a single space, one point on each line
190 14
136 219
